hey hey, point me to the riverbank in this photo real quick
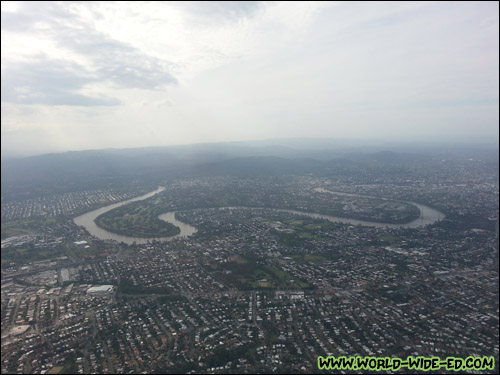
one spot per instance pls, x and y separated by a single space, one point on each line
427 216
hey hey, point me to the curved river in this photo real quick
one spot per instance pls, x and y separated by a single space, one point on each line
427 216
87 221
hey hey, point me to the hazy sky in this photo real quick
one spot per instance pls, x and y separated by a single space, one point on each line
95 75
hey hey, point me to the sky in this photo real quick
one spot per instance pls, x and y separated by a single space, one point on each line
92 75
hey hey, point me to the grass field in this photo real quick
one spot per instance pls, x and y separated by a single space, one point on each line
55 370
389 238
249 274
314 258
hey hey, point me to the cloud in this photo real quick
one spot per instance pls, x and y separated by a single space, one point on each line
76 56
118 63
212 12
209 71
50 82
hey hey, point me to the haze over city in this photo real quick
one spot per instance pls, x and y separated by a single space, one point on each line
91 75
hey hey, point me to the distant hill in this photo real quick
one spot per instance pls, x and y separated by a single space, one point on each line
91 169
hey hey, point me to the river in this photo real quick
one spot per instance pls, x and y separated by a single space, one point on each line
427 216
87 221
